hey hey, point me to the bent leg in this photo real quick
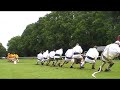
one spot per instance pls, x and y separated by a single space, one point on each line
102 65
109 66
62 63
93 66
47 62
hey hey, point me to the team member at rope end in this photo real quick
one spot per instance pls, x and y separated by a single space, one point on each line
110 52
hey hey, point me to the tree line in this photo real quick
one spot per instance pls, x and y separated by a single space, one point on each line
63 29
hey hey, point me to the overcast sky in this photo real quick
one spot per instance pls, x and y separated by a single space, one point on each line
13 23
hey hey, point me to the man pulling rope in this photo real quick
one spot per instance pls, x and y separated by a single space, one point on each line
110 52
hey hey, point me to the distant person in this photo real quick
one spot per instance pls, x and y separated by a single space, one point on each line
39 57
45 57
57 57
51 57
17 57
12 58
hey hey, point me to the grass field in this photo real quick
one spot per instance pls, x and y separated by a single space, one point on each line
26 69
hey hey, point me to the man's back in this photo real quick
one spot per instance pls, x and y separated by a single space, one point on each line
69 53
40 56
111 51
59 51
92 52
46 54
52 54
78 49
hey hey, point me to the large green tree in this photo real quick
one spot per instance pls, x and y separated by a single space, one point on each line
63 29
15 46
3 51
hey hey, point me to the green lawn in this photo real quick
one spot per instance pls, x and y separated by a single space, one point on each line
26 69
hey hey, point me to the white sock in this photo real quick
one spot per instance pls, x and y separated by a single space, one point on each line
14 62
82 63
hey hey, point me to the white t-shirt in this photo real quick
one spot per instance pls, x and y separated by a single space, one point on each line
92 52
69 53
59 51
52 54
111 51
46 54
77 49
40 56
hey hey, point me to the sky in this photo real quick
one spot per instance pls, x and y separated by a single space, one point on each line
13 23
